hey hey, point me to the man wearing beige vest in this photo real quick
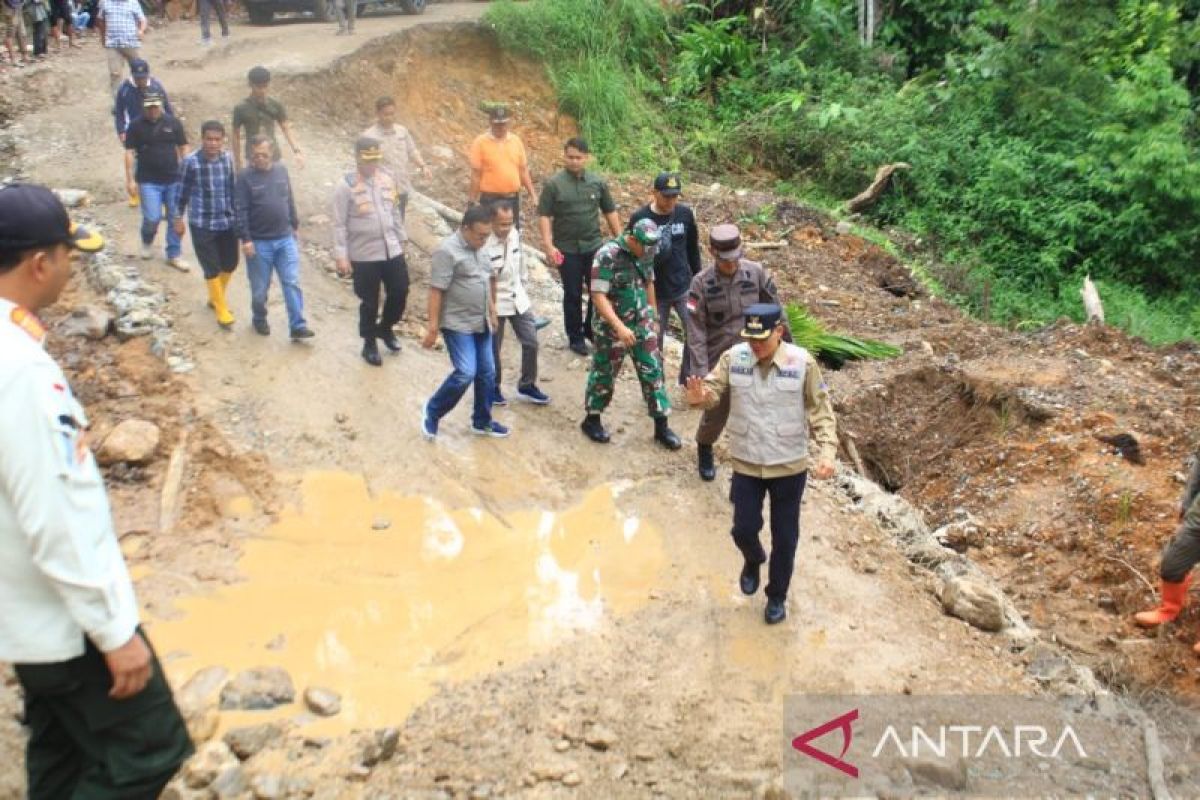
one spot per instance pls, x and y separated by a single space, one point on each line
776 395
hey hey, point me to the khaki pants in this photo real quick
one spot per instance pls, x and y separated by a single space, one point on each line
118 63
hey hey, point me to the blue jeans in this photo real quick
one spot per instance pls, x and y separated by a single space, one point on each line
282 256
471 356
154 197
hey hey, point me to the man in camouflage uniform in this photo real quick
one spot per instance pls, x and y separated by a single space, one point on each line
622 290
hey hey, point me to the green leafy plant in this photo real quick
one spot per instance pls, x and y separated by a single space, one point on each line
810 334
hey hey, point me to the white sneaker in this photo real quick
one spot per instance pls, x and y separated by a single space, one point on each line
179 264
147 251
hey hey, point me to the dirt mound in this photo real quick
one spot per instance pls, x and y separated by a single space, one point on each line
442 76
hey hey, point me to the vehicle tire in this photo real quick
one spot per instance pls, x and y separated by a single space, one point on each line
321 11
259 14
413 6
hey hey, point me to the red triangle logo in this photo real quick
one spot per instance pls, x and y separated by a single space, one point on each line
801 742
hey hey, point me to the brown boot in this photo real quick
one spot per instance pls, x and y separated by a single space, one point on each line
1174 598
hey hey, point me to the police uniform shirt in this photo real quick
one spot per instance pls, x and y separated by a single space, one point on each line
62 575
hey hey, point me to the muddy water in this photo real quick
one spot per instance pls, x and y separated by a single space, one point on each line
381 598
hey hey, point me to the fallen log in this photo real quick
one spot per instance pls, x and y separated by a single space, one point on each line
168 507
870 196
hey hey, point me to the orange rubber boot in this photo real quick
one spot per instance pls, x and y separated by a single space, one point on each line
1174 597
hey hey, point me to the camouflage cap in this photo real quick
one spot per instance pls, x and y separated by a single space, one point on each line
646 231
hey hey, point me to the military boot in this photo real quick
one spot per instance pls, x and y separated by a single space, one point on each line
704 457
593 428
664 435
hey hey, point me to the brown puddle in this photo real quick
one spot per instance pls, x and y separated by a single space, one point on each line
382 616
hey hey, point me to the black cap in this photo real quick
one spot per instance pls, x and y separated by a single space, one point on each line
498 114
667 183
33 216
138 68
258 76
759 320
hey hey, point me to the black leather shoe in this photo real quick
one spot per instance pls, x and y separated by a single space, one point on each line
748 582
389 340
261 327
664 435
580 349
593 428
370 353
775 612
707 467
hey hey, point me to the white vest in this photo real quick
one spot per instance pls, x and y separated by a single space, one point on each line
768 423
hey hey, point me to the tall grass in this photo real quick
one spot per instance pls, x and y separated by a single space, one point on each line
598 54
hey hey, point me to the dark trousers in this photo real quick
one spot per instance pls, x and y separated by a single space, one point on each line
664 319
1183 551
576 271
392 275
207 6
86 746
217 251
526 331
785 493
41 30
514 200
403 203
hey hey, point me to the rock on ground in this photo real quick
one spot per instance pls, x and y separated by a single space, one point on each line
257 689
198 702
974 602
248 740
134 441
323 702
91 322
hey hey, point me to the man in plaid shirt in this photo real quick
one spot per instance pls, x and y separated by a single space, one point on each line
122 25
206 193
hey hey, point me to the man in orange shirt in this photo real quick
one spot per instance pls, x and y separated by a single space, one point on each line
498 165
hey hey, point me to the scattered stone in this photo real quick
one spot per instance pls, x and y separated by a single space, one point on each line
251 739
952 776
561 746
481 792
441 152
178 791
600 737
323 702
258 689
230 784
267 787
975 602
89 322
572 779
844 228
73 198
926 348
358 773
554 770
381 524
277 643
620 770
198 703
210 761
134 441
643 753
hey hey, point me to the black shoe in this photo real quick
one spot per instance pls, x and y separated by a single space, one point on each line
775 612
303 332
370 353
664 435
389 340
580 348
748 581
261 327
704 456
593 428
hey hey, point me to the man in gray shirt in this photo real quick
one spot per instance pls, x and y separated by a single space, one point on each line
368 237
462 304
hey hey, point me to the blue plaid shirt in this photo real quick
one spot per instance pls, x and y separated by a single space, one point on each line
121 19
206 191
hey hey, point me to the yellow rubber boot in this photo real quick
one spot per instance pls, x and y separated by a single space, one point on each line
216 298
224 278
1174 597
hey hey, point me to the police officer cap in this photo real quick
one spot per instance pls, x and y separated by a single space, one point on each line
760 320
727 241
646 231
32 216
667 184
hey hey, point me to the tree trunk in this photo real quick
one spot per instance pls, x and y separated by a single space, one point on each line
870 17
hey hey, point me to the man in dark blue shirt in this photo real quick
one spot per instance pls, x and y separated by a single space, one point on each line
206 194
267 226
678 256
156 142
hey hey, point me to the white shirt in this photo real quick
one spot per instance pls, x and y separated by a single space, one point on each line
62 575
511 273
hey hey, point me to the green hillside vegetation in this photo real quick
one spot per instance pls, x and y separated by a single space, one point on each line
1048 139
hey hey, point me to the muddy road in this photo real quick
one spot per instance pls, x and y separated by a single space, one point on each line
537 615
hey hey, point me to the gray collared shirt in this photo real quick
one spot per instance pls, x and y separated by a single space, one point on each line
464 276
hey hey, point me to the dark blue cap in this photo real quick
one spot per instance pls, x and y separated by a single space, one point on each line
760 320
